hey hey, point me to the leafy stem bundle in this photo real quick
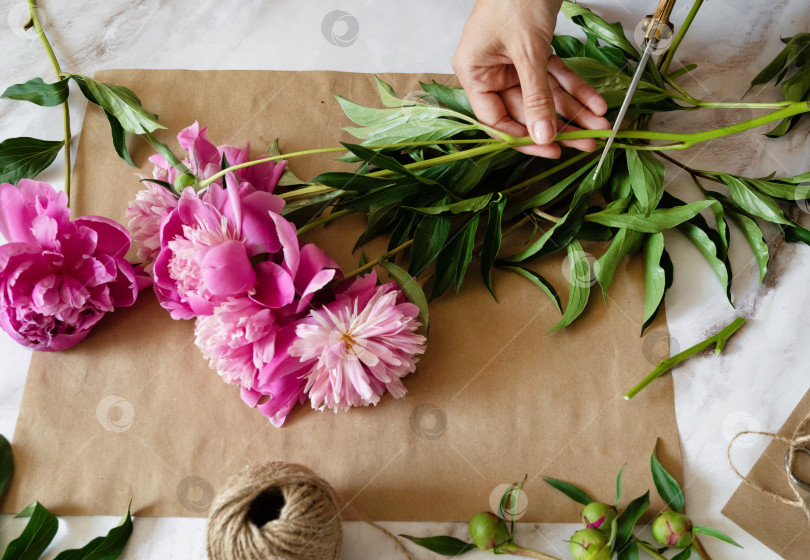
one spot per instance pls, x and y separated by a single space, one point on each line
432 176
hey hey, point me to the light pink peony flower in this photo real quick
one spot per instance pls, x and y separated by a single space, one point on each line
364 343
144 215
58 277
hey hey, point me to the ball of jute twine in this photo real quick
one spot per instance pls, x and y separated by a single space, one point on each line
799 437
306 527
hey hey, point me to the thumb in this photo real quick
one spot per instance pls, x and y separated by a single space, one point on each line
538 101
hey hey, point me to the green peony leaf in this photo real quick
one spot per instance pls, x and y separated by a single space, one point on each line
121 103
446 546
646 179
38 92
409 286
492 240
716 533
6 465
576 494
25 158
579 286
538 281
108 547
628 518
658 277
658 220
36 536
668 488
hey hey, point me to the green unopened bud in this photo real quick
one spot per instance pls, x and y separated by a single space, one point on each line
488 530
182 181
589 544
598 515
673 529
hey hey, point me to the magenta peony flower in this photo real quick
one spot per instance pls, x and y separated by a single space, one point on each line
58 277
231 243
363 343
204 159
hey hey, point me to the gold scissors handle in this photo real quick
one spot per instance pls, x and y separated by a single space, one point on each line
803 484
657 26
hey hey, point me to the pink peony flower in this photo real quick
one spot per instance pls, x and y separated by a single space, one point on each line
204 160
248 346
231 243
58 277
144 215
360 345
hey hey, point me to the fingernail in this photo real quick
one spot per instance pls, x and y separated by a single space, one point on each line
543 132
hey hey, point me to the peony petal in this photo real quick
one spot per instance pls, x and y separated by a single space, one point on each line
288 238
256 228
113 238
274 286
227 270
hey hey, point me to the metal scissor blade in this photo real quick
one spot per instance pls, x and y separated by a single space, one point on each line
626 103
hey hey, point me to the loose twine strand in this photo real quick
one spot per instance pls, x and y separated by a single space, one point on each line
802 502
308 526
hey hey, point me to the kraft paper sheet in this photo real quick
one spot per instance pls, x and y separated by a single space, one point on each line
780 527
135 412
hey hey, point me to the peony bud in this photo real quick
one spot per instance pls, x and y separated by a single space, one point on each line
182 181
673 529
488 530
598 515
589 544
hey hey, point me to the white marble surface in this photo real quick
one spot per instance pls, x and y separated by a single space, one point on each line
754 385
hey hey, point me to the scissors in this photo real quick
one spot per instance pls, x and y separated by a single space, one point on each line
656 27
804 485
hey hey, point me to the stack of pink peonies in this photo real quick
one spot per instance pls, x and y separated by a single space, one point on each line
58 277
272 315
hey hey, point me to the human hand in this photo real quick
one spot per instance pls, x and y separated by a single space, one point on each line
515 83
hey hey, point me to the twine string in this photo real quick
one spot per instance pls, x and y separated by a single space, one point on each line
307 526
797 439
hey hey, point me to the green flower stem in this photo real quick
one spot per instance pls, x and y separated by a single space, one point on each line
665 365
547 173
734 105
311 190
320 221
512 548
648 549
684 140
316 151
497 146
371 264
676 42
32 10
545 216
